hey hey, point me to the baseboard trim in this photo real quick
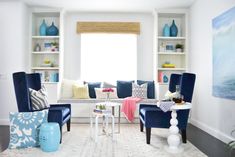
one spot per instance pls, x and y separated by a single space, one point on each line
212 131
4 122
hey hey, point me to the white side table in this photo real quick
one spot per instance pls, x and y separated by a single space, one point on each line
174 143
106 118
113 105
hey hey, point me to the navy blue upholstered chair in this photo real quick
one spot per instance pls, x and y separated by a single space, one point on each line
59 113
153 117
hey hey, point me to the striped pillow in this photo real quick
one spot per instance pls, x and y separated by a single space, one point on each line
39 98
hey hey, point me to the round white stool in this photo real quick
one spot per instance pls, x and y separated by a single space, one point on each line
105 117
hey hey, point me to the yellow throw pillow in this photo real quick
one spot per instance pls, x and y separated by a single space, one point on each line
80 91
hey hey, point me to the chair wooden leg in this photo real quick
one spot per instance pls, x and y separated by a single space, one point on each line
184 136
141 126
68 124
60 134
148 135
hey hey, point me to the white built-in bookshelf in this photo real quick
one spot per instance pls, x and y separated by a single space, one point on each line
48 59
162 54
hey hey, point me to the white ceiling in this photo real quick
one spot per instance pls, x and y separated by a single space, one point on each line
111 5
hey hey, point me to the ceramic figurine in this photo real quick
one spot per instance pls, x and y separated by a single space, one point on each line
165 79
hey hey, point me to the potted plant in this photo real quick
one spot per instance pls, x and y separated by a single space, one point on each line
231 148
231 145
54 46
179 47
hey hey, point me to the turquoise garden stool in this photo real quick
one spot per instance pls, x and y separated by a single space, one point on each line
49 137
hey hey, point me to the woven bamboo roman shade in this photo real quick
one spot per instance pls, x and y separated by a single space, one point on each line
108 27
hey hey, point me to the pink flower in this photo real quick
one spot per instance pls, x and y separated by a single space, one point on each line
107 90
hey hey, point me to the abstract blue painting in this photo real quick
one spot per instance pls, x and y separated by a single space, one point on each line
224 55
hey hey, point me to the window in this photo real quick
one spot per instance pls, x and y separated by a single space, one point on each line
108 57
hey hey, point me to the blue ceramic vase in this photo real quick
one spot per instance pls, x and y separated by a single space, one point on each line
52 30
166 31
43 28
173 30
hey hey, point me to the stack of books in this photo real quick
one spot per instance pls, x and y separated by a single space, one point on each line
102 111
168 65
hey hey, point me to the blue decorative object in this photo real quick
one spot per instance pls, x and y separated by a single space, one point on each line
49 137
166 31
169 48
24 128
52 30
173 30
165 79
43 28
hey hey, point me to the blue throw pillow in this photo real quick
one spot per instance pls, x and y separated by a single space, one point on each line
91 87
150 88
24 128
124 89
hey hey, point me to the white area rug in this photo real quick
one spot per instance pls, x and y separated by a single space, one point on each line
129 143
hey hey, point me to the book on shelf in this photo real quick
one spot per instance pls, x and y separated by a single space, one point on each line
102 111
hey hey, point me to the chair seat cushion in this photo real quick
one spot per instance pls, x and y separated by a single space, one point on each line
65 110
146 109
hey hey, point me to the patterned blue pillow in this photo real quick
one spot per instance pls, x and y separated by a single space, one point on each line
24 128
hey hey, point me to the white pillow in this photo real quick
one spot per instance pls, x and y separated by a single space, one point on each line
107 85
67 87
139 91
103 95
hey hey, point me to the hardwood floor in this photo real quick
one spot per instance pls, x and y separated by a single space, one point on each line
202 140
4 137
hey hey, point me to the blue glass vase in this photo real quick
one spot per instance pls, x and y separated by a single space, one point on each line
52 30
166 31
173 30
43 28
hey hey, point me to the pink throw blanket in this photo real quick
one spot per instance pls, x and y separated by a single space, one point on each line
129 107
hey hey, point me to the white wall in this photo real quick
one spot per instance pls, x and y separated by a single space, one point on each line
214 115
72 41
13 52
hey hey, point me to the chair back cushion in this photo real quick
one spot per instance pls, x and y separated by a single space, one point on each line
186 82
22 83
187 86
174 80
